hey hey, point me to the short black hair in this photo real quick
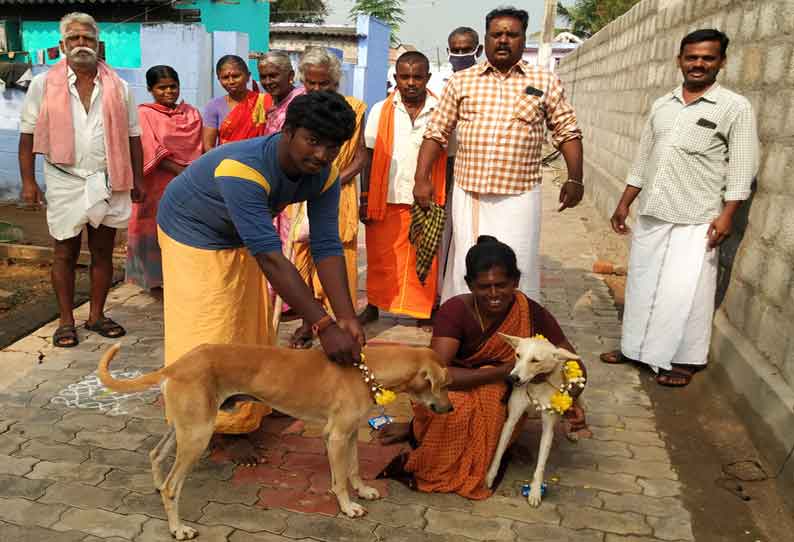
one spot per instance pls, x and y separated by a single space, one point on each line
161 71
326 113
231 59
519 14
487 254
467 31
706 34
413 57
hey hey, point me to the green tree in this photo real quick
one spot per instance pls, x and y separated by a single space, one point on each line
389 11
298 11
587 17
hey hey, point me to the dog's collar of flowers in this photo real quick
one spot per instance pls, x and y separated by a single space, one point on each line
380 395
572 377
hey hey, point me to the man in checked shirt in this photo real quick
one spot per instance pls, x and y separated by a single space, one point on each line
696 161
500 108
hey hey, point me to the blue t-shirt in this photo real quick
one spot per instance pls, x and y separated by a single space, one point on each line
229 196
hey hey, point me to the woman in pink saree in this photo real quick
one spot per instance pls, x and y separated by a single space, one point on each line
171 137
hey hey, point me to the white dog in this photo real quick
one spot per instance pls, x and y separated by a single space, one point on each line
535 357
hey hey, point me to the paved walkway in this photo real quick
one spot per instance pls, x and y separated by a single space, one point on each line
74 464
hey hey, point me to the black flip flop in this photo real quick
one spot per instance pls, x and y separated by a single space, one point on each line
107 328
65 333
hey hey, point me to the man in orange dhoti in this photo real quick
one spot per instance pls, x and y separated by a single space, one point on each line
393 136
321 70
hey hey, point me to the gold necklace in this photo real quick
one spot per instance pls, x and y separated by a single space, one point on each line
477 312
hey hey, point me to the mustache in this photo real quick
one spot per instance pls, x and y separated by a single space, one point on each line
77 50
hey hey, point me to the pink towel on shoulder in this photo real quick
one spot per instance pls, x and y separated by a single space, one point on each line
57 144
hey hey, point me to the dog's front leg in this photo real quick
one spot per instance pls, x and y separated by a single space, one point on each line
339 458
549 420
364 491
516 406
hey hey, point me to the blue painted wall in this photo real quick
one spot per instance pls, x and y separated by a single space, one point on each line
122 41
251 17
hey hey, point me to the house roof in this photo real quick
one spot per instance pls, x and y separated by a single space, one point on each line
312 29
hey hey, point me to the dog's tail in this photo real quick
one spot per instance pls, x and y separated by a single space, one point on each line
133 384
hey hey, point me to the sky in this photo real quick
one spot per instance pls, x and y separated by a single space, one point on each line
428 22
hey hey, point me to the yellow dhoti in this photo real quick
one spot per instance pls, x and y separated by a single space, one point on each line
216 297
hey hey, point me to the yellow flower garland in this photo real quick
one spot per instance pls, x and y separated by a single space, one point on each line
560 402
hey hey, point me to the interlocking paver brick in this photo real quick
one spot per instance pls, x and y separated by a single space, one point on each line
68 472
395 515
16 486
649 453
584 517
341 529
547 533
648 506
122 440
139 481
242 536
121 459
83 496
53 451
10 443
644 438
516 508
78 419
619 538
16 533
386 533
654 469
245 518
49 431
615 483
92 538
18 466
25 512
440 501
156 530
659 488
678 527
100 523
477 527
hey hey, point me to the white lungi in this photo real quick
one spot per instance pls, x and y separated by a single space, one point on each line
512 219
72 203
672 279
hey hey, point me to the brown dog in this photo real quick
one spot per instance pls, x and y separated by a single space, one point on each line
301 383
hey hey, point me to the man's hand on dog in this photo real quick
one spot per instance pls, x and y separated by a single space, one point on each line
342 341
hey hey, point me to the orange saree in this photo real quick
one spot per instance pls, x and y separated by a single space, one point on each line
247 119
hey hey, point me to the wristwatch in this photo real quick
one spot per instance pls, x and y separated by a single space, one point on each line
322 324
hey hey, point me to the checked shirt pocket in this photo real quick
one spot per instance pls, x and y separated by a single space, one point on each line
698 138
528 109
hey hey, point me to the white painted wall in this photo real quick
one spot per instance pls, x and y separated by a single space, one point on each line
226 43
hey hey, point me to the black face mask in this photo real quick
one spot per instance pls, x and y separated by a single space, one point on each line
461 61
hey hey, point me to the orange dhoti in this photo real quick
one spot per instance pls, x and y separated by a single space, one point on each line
215 297
392 284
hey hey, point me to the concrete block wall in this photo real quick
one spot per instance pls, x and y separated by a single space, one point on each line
614 79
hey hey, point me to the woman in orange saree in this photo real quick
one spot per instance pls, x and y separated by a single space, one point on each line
171 138
452 452
239 115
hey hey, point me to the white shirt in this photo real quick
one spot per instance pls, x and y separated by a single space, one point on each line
407 140
89 131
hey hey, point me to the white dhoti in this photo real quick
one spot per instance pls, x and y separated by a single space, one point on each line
672 279
512 219
73 201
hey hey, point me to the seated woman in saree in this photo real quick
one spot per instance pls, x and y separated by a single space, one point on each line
241 113
171 138
451 452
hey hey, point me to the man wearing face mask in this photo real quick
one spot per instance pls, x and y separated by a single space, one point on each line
82 118
500 110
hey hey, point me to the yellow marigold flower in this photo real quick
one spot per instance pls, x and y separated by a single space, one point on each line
572 370
384 397
539 337
560 402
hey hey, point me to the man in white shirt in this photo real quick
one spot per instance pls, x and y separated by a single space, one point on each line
393 136
81 116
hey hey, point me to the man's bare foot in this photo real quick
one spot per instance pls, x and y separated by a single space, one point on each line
241 450
368 315
394 433
302 338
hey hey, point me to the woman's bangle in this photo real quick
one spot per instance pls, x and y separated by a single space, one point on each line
574 181
364 194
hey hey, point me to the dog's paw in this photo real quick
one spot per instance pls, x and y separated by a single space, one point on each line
534 497
368 493
354 510
183 532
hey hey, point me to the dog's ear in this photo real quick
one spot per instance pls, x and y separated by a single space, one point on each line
435 377
512 341
564 355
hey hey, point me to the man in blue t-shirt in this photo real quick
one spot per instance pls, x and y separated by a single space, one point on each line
218 243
